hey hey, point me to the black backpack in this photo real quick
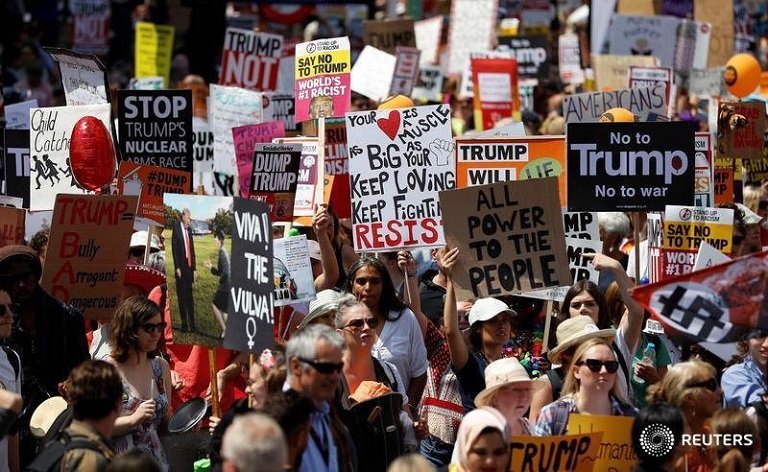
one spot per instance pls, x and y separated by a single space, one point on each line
49 459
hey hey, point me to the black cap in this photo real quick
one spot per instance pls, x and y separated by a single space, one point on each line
19 253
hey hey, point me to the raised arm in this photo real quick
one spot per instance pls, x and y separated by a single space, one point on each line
459 351
406 262
321 225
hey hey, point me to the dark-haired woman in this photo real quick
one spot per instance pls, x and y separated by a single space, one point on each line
221 297
136 331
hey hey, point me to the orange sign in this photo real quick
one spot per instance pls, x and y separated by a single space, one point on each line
149 183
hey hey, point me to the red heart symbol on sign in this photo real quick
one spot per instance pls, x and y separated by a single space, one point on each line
390 125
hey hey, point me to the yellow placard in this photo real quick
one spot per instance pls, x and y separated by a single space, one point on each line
574 452
615 451
154 44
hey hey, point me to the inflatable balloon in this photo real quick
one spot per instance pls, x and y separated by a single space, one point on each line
396 101
91 154
741 74
617 115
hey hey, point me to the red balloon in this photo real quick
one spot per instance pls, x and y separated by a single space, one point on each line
91 154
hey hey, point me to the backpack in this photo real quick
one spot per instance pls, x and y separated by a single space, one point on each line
49 459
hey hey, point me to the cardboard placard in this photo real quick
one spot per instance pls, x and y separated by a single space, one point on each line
154 45
17 115
228 108
274 177
647 103
630 166
149 184
704 190
322 85
155 128
388 35
611 70
280 107
250 60
49 139
495 91
87 250
706 82
740 130
509 235
309 191
430 84
293 271
615 452
487 161
574 453
90 25
406 71
685 228
427 33
530 52
83 77
202 145
12 222
398 162
245 139
373 72
475 32
16 168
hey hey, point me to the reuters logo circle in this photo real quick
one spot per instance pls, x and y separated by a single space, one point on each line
657 440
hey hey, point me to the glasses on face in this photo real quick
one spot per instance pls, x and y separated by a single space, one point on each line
710 384
150 328
372 323
576 305
323 367
596 365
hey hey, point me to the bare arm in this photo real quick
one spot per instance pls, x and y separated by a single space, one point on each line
415 390
406 262
456 345
320 223
541 398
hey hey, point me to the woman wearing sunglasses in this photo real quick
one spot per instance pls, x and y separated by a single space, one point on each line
590 388
136 331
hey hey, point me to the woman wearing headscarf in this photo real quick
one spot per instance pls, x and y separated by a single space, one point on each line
482 442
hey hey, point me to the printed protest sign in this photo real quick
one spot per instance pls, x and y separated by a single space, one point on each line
615 452
155 128
148 184
274 177
17 115
581 267
83 77
146 83
250 60
245 139
49 139
574 453
704 187
475 32
725 180
250 317
228 108
644 36
202 145
322 86
12 222
651 76
740 130
16 168
709 256
427 33
685 228
90 25
372 73
706 82
611 69
429 87
309 190
581 225
495 91
388 35
406 71
466 85
154 45
337 165
755 171
280 107
530 52
509 235
655 239
293 271
719 304
644 102
569 55
86 254
630 166
398 162
487 161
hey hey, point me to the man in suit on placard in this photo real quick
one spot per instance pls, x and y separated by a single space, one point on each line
184 261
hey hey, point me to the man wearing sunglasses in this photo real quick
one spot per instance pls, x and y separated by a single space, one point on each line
745 382
314 357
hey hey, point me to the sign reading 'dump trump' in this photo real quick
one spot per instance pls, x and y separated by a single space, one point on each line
630 166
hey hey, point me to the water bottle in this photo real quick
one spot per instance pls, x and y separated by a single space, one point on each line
649 358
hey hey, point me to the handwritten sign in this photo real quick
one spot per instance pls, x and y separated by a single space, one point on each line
645 102
740 130
572 453
245 139
17 115
706 82
154 45
250 60
322 86
148 184
12 221
83 77
274 177
644 36
615 452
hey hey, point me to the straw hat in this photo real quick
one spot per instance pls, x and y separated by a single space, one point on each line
45 415
326 301
501 373
575 331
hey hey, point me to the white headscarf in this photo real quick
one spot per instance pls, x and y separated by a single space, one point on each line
471 426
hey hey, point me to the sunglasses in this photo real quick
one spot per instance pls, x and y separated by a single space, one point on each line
710 384
150 328
372 323
323 367
596 365
587 303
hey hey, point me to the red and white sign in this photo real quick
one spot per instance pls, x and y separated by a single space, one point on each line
251 60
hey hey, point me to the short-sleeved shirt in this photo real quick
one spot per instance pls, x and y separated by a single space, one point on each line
553 418
639 386
402 344
743 383
471 379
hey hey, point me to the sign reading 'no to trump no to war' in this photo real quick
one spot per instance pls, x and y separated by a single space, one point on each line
398 162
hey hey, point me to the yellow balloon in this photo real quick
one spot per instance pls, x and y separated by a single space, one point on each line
397 101
617 115
741 74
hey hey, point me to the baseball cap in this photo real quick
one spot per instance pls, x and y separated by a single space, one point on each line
486 308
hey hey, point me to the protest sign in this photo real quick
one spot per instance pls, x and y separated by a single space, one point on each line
309 190
530 52
611 69
755 171
704 186
224 185
148 184
280 107
644 36
337 165
719 14
12 225
466 86
740 130
372 74
286 75
250 60
202 145
245 139
429 86
569 55
274 177
685 228
719 304
86 253
16 168
511 130
398 162
630 166
146 83
509 235
90 25
388 35
644 102
615 452
706 82
655 239
49 138
293 271
322 85
475 32
17 115
427 34
406 71
724 178
11 202
574 453
228 108
709 256
155 128
581 225
581 267
154 45
83 77
250 317
651 76
495 91
487 161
